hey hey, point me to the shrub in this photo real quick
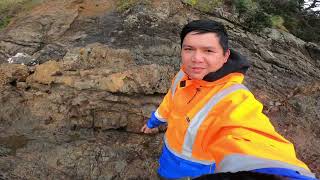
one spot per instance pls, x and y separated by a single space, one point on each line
245 7
307 28
123 5
277 22
191 2
251 15
289 15
257 21
204 5
6 4
4 21
9 8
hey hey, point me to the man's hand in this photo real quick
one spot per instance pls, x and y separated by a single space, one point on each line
147 130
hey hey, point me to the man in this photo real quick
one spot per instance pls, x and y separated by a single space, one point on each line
214 123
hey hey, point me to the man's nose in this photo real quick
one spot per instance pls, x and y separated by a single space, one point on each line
197 57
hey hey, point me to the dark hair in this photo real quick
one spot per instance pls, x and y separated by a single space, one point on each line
206 26
242 175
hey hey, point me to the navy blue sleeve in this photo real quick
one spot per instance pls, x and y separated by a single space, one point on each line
288 173
154 121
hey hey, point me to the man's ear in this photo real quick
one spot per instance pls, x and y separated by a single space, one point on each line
226 56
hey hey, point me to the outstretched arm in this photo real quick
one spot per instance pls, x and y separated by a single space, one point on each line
158 117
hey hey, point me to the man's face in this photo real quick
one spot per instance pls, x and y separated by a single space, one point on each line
202 54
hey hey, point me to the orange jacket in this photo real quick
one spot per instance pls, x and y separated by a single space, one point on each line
222 123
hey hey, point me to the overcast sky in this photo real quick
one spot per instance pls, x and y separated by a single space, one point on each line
308 3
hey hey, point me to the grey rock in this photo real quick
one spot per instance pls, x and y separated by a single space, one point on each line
22 58
4 151
50 52
314 52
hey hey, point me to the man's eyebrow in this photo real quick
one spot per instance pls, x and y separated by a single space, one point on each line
208 47
201 47
186 45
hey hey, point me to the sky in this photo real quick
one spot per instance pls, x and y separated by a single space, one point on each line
314 9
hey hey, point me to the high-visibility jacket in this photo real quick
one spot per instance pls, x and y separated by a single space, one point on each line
219 127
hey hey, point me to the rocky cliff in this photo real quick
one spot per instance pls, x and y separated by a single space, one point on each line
102 67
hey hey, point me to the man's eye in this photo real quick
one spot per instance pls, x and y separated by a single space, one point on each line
209 51
187 49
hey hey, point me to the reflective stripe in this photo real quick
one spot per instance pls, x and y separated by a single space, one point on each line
185 157
160 118
241 162
201 116
176 81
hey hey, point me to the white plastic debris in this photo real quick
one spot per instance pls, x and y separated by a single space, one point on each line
22 58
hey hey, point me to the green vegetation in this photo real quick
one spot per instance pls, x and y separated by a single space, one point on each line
289 15
191 2
123 5
204 5
5 8
5 4
9 8
255 15
251 14
245 6
277 22
4 21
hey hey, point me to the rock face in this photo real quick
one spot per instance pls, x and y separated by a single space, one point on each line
102 95
78 113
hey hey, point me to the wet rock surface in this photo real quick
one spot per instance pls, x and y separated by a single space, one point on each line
101 71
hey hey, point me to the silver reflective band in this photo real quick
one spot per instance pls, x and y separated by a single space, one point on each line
241 162
176 81
160 118
186 158
201 116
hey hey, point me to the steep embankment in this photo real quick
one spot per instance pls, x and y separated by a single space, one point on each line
78 114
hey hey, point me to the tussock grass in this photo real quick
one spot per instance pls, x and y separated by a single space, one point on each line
278 22
7 4
9 8
123 5
205 5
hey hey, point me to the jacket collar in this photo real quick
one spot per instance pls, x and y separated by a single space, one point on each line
233 70
235 63
232 77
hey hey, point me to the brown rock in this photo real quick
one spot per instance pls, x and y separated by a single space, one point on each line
98 55
153 79
43 24
45 73
12 73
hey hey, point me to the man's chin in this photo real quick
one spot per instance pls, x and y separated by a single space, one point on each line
196 77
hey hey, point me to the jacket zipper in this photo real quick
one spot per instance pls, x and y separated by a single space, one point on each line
197 90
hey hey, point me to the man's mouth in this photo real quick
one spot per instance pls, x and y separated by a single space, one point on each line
197 69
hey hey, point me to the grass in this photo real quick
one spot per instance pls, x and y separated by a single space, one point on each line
123 5
205 5
4 21
6 7
277 22
7 4
9 8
